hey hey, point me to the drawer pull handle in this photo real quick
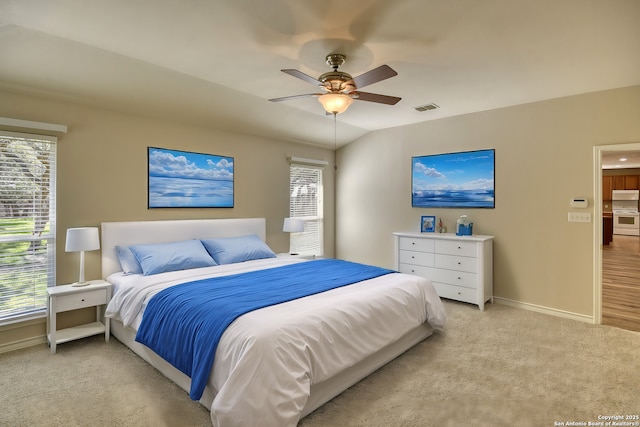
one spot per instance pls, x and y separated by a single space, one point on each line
413 243
459 278
82 299
413 257
413 271
459 263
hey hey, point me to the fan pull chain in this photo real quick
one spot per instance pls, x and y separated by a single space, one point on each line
335 142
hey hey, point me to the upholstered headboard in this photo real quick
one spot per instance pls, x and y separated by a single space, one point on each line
143 232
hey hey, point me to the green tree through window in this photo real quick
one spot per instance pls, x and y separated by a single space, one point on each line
27 223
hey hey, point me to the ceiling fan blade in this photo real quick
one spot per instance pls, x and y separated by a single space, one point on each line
374 76
302 76
287 98
374 97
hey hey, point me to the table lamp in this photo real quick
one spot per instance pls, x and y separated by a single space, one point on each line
292 225
82 239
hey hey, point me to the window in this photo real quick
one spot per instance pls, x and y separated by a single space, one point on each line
27 223
305 203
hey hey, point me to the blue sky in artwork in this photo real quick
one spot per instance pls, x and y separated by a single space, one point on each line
180 164
453 172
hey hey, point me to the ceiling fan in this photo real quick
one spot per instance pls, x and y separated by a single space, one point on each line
339 89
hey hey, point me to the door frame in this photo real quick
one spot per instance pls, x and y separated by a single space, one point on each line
597 223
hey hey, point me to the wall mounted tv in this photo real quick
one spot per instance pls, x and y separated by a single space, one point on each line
453 180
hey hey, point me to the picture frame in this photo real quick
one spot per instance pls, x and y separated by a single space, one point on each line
454 180
183 179
428 224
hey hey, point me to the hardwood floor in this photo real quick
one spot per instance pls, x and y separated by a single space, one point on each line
621 283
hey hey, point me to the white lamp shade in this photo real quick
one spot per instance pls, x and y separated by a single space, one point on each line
335 103
293 225
82 239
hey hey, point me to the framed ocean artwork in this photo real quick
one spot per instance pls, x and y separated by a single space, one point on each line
181 179
454 180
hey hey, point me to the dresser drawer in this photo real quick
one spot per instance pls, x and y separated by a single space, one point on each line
451 277
456 293
457 263
456 247
415 244
81 300
417 258
416 270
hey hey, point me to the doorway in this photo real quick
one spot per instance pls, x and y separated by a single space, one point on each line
616 266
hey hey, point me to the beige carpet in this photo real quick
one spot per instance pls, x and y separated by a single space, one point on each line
501 367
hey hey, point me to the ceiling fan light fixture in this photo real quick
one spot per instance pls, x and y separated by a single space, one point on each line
335 103
339 89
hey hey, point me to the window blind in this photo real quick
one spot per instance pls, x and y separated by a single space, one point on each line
306 203
27 223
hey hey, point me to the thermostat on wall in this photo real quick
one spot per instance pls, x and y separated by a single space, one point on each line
579 202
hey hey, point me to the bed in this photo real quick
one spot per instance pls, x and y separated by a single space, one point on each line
276 364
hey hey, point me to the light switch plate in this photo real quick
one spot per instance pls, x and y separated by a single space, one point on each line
579 217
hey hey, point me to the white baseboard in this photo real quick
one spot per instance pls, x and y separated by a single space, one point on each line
17 345
545 310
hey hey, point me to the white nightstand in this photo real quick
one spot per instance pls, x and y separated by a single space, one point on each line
68 297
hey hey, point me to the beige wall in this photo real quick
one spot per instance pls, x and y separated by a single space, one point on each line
544 156
102 174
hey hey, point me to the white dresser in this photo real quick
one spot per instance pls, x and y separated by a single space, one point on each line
460 267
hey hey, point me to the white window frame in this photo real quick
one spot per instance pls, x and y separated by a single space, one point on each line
37 268
311 211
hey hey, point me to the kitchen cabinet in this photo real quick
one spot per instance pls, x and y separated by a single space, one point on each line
607 187
619 182
607 229
631 182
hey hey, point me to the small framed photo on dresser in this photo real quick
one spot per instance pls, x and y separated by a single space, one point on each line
428 224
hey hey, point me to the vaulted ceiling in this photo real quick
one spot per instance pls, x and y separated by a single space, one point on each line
218 62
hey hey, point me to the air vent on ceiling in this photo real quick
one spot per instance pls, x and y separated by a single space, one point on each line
426 107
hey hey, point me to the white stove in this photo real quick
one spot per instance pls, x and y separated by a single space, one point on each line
626 219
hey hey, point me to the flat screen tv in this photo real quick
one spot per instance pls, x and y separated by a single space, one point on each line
453 180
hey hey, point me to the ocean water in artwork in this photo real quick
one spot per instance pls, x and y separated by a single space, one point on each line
453 198
167 192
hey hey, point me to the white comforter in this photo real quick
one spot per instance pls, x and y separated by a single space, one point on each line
267 360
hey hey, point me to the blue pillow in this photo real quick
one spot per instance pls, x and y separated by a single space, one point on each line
128 261
237 249
160 258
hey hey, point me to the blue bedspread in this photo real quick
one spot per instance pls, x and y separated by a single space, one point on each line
183 324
